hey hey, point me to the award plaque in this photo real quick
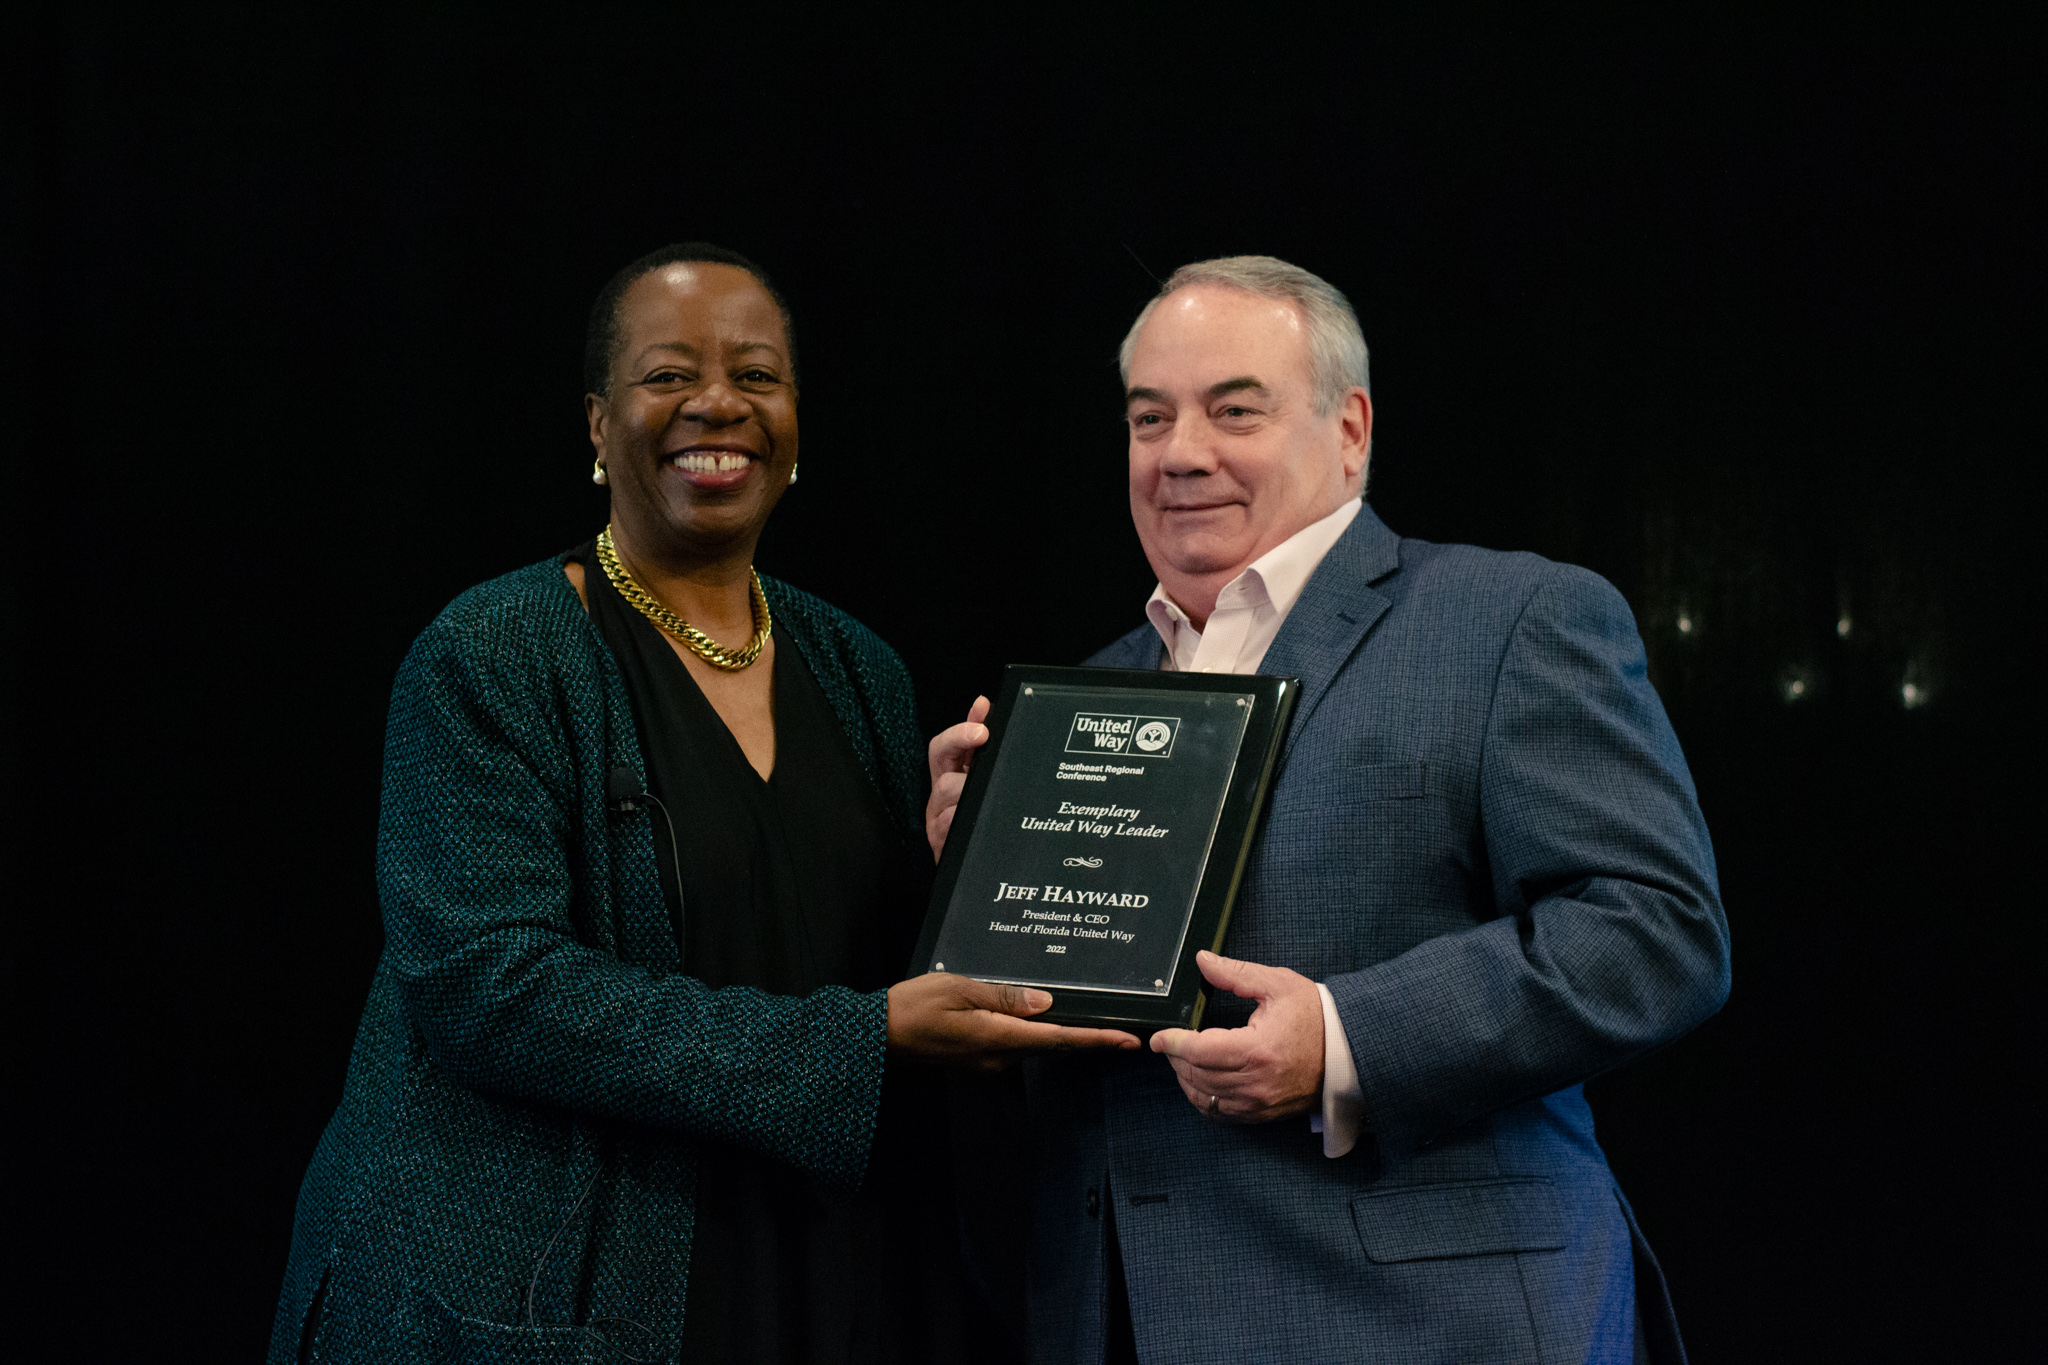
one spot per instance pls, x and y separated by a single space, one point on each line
1101 838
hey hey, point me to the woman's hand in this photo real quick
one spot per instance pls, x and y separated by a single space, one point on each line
952 754
949 1018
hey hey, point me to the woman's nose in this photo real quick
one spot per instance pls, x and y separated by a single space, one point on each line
717 403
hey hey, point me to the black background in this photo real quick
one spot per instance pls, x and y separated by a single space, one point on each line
1739 317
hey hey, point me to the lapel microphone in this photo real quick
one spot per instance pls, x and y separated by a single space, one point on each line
622 788
625 791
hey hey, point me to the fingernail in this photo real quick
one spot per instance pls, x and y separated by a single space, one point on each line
1038 1000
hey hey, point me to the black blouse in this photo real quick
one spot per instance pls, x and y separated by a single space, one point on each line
787 885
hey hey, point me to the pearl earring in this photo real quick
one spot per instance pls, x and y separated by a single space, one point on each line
597 475
792 473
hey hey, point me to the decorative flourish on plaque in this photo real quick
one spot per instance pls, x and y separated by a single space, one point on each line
1084 862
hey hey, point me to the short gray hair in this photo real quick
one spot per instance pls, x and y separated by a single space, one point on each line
1337 357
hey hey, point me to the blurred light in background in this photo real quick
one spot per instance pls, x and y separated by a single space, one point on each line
1799 682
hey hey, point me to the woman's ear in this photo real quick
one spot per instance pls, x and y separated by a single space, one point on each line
597 411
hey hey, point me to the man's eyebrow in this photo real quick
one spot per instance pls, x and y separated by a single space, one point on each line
1244 383
1144 395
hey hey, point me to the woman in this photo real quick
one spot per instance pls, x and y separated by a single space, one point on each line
649 855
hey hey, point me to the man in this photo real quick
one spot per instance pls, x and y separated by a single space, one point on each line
1483 878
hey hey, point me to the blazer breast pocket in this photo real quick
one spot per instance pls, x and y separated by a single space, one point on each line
1459 1218
1388 781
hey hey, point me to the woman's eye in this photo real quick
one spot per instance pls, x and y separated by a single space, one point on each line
757 377
667 377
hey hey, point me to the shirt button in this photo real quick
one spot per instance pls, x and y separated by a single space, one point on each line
1094 1202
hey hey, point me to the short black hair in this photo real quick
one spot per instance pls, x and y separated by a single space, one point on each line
601 339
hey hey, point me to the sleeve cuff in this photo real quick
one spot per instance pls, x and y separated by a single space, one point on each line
1343 1114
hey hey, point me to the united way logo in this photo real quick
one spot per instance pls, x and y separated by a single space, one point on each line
1132 736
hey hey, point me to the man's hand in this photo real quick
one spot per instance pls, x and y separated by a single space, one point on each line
948 1018
952 754
1270 1068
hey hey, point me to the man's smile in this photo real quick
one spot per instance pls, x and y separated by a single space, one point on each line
1189 508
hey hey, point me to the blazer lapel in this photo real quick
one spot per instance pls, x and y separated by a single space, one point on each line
1140 649
1334 612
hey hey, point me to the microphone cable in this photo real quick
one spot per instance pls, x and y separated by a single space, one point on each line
623 789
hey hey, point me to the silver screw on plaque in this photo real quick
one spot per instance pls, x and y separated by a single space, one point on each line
1242 702
938 966
1160 984
1027 691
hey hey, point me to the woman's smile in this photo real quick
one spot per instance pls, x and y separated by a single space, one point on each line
712 468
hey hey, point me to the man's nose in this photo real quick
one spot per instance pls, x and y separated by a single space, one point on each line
1186 451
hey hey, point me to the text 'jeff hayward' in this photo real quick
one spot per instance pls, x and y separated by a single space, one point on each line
1062 896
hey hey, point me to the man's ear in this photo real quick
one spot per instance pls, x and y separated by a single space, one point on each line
1355 420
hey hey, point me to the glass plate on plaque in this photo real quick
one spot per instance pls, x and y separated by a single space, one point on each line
1102 835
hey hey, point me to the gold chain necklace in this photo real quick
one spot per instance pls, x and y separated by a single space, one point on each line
700 644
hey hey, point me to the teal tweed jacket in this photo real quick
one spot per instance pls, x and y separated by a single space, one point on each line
511 1173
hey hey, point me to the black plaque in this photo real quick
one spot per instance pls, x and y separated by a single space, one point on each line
1102 835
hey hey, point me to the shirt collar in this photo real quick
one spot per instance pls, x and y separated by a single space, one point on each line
1286 568
1279 576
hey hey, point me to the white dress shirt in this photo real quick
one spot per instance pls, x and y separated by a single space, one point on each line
1249 613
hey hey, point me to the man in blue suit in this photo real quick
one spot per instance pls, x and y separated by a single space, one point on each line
1483 878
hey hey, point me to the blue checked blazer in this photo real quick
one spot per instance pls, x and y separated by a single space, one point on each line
1483 838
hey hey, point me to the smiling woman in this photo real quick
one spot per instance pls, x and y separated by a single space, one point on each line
631 1077
691 372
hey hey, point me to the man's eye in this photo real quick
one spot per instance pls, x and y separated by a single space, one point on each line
1146 419
1237 412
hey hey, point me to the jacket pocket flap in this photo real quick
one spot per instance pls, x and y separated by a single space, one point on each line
471 1341
1459 1218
